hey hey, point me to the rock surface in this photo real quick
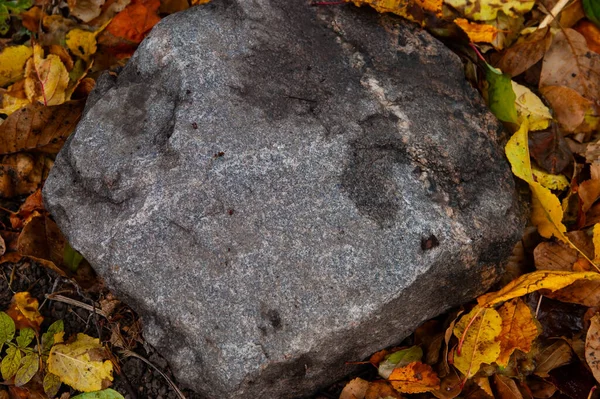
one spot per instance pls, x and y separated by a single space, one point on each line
278 189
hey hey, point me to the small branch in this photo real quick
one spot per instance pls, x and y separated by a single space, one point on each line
553 13
74 302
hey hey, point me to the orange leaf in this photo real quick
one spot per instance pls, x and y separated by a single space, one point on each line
415 377
381 389
591 33
569 106
33 203
478 33
519 329
24 311
135 21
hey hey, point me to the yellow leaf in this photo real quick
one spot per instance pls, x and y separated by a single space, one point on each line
531 107
12 63
81 364
519 329
531 282
403 8
415 377
46 78
82 43
477 331
14 98
547 213
486 10
24 311
552 182
517 152
478 33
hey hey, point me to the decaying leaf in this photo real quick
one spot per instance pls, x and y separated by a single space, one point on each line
550 181
82 43
569 106
415 377
538 280
81 364
85 10
42 240
13 98
591 33
355 389
554 256
584 292
589 192
478 33
12 63
39 127
525 53
46 78
519 329
552 357
478 331
506 387
24 311
399 359
592 346
487 10
550 150
569 62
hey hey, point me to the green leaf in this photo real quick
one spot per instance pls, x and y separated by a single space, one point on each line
399 358
51 384
104 394
30 365
592 11
71 258
7 329
4 19
11 362
25 337
48 337
501 97
19 5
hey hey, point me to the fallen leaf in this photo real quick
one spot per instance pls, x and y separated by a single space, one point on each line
552 357
30 364
63 54
592 10
584 292
412 10
36 126
589 192
12 63
541 389
484 383
55 28
554 256
415 377
22 173
519 330
550 181
7 329
85 10
82 43
569 106
14 98
10 362
525 53
531 107
501 97
51 384
592 347
81 364
450 387
24 311
105 394
591 33
550 150
355 389
42 241
478 33
399 359
46 78
506 388
486 10
478 332
574 380
569 62
49 337
534 281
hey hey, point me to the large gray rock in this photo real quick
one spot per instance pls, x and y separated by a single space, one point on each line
278 189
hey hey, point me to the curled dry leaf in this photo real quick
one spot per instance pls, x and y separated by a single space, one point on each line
553 356
525 53
592 347
506 388
85 10
569 106
519 329
569 62
36 126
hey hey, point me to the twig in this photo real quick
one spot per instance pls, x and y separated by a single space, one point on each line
128 353
553 13
74 302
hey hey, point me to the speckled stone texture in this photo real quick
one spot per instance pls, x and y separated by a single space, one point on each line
278 189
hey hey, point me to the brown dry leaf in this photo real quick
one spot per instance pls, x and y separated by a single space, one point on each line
592 346
355 389
478 33
541 389
36 126
550 150
415 377
554 256
378 357
586 293
569 106
506 388
22 173
173 6
381 390
33 204
85 10
55 29
589 192
569 62
32 18
24 311
554 356
42 241
525 53
519 330
46 79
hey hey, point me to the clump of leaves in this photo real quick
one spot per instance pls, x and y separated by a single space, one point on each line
28 357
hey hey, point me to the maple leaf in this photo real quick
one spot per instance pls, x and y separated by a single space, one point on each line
46 78
12 63
477 331
415 377
81 364
519 329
